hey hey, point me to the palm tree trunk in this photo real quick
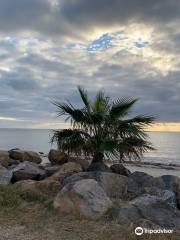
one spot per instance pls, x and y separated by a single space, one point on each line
121 159
98 157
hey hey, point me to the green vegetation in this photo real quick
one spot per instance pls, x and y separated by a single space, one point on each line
103 127
12 196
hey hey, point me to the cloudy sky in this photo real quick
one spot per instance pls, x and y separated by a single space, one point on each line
127 48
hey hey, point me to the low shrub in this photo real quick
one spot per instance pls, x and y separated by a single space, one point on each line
12 196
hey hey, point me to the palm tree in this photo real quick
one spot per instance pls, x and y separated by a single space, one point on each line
102 127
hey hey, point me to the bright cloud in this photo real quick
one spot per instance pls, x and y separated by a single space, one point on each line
127 48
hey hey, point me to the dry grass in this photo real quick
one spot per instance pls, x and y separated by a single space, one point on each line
25 216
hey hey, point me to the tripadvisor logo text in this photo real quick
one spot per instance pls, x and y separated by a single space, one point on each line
139 231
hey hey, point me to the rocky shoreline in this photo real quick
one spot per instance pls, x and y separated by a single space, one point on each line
96 190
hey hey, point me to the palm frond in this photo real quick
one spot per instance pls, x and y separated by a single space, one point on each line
141 120
101 103
121 107
84 97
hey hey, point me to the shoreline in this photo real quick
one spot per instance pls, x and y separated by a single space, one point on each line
153 169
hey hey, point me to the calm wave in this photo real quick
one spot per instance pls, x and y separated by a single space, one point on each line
166 143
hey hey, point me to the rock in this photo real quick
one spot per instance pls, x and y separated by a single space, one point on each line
47 187
4 158
120 169
78 176
57 157
83 162
5 176
17 154
137 181
114 185
98 167
13 163
125 214
147 207
28 170
85 197
65 170
172 183
32 157
50 170
166 195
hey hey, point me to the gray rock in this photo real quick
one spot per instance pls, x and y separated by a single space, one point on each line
148 208
67 169
83 162
172 183
16 154
98 167
4 158
137 181
84 197
166 195
120 169
125 214
32 157
78 176
28 170
5 176
57 157
50 170
114 185
21 155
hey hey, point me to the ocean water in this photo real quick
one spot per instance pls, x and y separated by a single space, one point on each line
167 144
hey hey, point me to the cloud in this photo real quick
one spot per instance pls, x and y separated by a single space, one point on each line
127 48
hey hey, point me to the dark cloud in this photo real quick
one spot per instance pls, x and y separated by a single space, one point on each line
108 12
32 74
71 18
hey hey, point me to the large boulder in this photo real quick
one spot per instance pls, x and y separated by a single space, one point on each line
85 197
57 157
65 170
18 154
50 170
166 195
98 167
5 176
28 170
147 207
46 187
83 162
120 169
114 185
5 158
172 183
137 181
32 157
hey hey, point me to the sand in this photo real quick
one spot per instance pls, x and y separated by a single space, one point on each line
155 171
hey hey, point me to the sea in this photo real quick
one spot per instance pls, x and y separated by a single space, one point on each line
167 144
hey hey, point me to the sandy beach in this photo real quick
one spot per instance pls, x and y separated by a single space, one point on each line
153 170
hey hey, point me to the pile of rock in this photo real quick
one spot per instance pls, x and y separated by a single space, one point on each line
96 190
